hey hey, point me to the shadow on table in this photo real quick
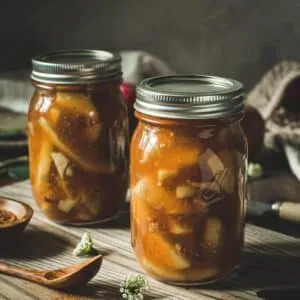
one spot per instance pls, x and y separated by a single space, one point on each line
102 291
33 244
270 274
123 221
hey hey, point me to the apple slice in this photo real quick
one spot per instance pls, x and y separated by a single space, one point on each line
61 163
85 164
192 275
205 273
94 206
44 165
142 214
181 207
148 191
169 150
215 163
66 205
186 191
53 115
76 103
44 162
179 225
80 105
63 167
165 176
213 237
162 252
158 197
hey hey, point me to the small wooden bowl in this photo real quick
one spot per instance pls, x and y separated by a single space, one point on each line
23 213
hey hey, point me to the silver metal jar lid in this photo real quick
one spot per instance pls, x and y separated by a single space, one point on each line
76 66
189 97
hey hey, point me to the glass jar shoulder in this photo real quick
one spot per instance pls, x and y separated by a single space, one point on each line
102 102
172 145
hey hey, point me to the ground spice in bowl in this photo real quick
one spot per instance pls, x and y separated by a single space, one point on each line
7 217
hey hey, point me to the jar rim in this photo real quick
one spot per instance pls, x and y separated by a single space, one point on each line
190 96
77 66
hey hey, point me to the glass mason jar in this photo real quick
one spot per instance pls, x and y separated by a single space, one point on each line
188 178
78 136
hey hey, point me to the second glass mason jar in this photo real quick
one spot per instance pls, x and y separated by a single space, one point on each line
188 178
78 136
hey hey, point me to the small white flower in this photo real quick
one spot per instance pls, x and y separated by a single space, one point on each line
133 287
85 246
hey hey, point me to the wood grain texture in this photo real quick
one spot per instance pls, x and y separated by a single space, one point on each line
270 260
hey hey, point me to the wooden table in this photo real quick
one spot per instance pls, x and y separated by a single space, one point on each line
270 260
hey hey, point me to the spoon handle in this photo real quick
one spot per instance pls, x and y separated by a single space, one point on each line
32 275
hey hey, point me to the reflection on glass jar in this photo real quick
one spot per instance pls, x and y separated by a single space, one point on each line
188 168
78 136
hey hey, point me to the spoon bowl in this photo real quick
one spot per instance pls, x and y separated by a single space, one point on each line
62 278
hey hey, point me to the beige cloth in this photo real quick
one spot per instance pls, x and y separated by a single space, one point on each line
273 98
138 65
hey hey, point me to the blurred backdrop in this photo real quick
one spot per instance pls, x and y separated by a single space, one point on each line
235 38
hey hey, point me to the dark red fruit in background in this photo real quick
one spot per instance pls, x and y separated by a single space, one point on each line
129 94
128 91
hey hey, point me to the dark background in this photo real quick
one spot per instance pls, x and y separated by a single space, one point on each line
235 38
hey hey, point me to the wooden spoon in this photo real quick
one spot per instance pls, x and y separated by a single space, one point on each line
59 278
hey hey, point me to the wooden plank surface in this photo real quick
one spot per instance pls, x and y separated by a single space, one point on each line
270 260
